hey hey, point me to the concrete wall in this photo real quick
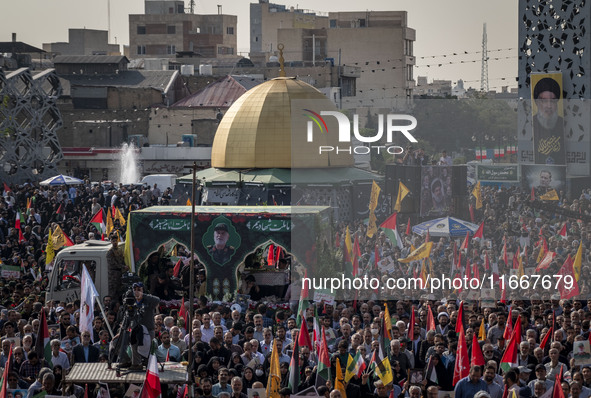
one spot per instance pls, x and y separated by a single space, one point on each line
167 125
84 42
138 98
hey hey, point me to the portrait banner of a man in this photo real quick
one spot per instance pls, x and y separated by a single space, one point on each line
543 178
436 190
221 240
548 118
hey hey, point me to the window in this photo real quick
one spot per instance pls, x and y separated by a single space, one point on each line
180 9
141 50
171 49
141 30
348 86
226 50
171 29
230 30
409 72
408 48
333 23
70 272
362 23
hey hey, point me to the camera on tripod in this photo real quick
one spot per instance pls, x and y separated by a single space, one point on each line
128 279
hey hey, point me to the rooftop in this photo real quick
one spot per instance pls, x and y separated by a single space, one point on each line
219 94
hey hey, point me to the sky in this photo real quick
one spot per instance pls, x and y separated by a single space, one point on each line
443 27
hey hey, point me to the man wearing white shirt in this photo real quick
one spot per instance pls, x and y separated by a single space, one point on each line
206 329
267 342
59 357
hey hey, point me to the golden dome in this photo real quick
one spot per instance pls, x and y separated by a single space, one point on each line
267 127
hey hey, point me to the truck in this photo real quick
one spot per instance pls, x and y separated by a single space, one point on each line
65 277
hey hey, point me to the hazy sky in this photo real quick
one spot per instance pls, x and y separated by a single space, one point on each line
443 27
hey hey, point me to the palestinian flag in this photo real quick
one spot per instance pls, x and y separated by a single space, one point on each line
303 339
294 368
509 359
562 233
42 346
389 228
323 359
99 222
431 374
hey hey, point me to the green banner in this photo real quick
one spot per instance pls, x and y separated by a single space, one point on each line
508 173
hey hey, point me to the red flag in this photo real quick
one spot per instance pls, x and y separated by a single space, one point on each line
462 366
86 391
455 250
557 391
532 196
177 268
503 294
167 355
568 286
151 387
376 255
408 227
468 271
477 357
428 237
471 208
562 232
356 248
411 325
460 321
476 271
516 260
465 242
304 336
509 359
547 337
68 240
7 370
271 256
479 232
430 319
486 262
7 188
60 210
183 310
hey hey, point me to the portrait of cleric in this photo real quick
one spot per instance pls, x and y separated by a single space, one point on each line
548 125
220 251
435 190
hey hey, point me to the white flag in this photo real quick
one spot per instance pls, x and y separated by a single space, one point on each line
88 293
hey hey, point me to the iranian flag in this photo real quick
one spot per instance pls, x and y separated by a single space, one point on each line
294 369
389 227
99 221
20 220
42 346
151 387
509 359
355 367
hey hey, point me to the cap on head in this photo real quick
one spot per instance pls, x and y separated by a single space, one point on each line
138 284
221 227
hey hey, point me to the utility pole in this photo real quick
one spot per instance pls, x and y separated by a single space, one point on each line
484 70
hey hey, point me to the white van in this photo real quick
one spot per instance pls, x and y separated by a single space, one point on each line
64 280
163 180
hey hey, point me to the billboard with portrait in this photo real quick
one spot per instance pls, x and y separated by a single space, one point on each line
436 190
548 118
543 177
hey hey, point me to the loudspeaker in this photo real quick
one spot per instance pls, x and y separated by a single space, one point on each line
410 176
459 180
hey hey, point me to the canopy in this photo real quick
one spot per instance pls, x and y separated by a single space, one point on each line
447 226
62 180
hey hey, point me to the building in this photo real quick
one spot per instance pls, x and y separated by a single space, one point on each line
166 30
84 42
437 88
378 44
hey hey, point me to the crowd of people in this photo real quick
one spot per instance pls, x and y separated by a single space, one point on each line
232 347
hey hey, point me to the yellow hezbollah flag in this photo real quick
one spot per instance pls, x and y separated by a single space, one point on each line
375 193
339 380
49 251
388 321
541 253
372 227
348 243
384 371
128 251
109 222
189 202
550 195
423 251
481 331
578 261
119 216
58 238
402 192
274 382
478 195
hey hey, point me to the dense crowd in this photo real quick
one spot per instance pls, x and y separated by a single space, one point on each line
232 346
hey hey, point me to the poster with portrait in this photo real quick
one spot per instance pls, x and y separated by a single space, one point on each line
582 352
221 240
543 178
548 118
436 190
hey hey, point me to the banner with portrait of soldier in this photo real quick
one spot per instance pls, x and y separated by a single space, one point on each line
436 190
548 118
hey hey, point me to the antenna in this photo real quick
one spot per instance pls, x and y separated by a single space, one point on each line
192 6
484 71
108 21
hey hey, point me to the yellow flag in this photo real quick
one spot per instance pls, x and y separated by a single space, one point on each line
58 238
421 252
189 202
128 251
384 371
49 252
387 321
109 222
348 243
402 192
478 195
550 195
482 331
520 271
339 384
541 254
578 261
375 193
372 227
351 369
274 382
424 275
119 217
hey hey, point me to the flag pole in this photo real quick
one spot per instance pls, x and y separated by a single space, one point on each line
104 316
191 288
